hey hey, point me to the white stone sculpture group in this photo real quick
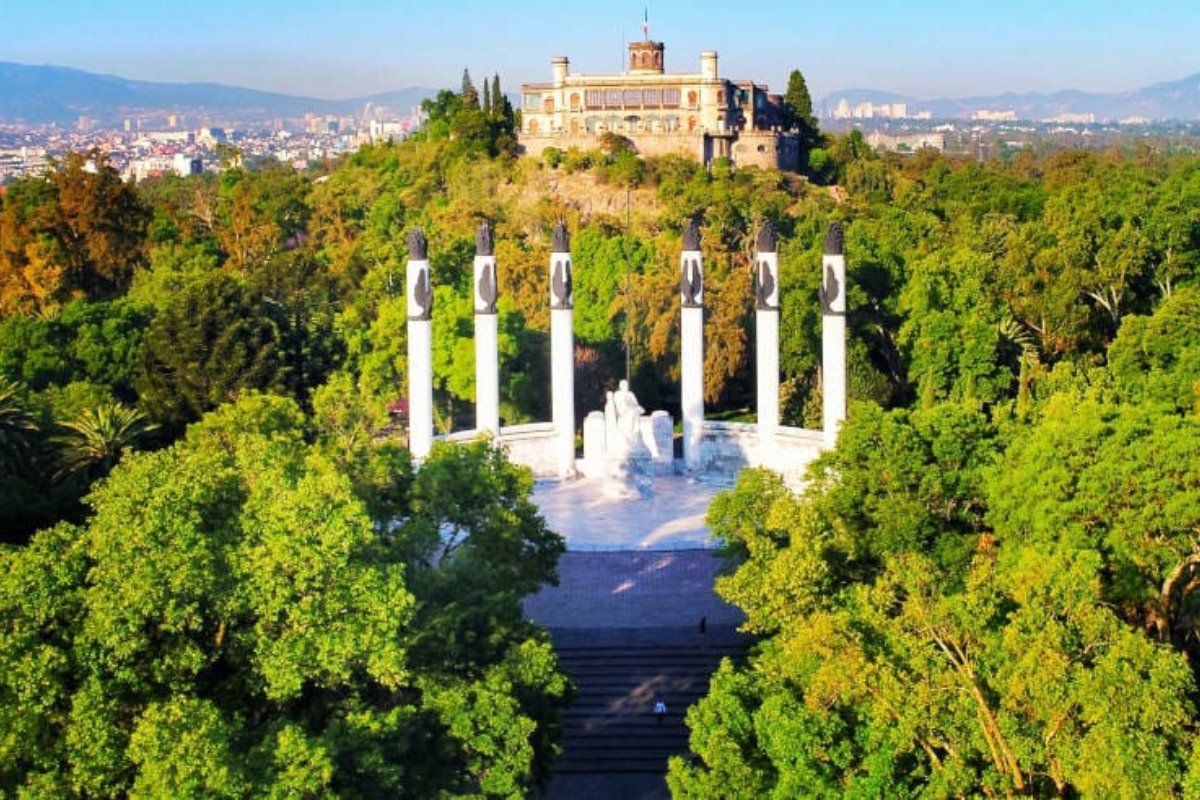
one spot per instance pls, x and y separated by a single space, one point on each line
622 440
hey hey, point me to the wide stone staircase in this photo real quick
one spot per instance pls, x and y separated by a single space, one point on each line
610 730
627 627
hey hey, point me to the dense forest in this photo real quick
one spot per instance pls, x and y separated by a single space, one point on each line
225 578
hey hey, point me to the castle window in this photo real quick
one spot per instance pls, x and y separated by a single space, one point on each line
575 100
548 105
533 100
692 98
612 98
633 97
670 98
651 98
595 98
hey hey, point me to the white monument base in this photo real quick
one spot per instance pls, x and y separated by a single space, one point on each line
606 453
729 447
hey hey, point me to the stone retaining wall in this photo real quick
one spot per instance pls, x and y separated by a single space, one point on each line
726 448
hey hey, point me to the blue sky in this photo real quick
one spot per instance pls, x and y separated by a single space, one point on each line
345 48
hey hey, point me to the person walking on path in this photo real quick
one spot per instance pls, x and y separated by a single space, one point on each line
660 710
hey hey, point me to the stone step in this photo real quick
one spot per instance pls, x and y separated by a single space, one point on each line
669 730
627 660
608 654
643 747
613 765
610 728
624 705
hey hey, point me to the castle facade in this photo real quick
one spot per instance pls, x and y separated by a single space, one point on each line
700 114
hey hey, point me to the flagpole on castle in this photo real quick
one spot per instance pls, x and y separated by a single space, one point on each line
646 22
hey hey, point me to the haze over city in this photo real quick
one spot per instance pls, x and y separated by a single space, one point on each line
312 48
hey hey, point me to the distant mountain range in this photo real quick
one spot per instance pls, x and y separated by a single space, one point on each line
49 94
1172 100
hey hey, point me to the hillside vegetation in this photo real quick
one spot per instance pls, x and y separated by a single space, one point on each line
224 578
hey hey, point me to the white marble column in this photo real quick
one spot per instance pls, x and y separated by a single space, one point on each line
833 334
766 317
691 355
562 351
419 289
487 359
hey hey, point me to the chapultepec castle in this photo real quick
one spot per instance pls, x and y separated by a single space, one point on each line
696 114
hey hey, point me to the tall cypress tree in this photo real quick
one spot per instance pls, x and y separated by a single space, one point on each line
499 102
470 96
798 103
487 99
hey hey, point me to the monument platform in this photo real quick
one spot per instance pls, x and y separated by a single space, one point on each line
592 517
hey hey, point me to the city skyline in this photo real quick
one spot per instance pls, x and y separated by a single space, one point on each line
308 48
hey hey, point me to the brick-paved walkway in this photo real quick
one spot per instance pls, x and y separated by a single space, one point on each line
662 589
638 573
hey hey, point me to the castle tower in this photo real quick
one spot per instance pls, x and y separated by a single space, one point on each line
691 356
646 58
766 317
833 333
562 350
487 363
714 100
559 66
420 347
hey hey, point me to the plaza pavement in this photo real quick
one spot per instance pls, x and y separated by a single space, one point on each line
634 585
627 590
631 562
598 514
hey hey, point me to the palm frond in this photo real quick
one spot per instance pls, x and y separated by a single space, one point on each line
95 441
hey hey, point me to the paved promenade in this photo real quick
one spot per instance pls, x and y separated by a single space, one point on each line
603 590
595 514
634 560
634 585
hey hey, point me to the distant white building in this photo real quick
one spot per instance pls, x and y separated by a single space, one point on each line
383 131
868 110
907 142
166 137
212 136
995 115
184 165
1072 119
148 167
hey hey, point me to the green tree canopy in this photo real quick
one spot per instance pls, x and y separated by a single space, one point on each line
1015 677
215 338
232 622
